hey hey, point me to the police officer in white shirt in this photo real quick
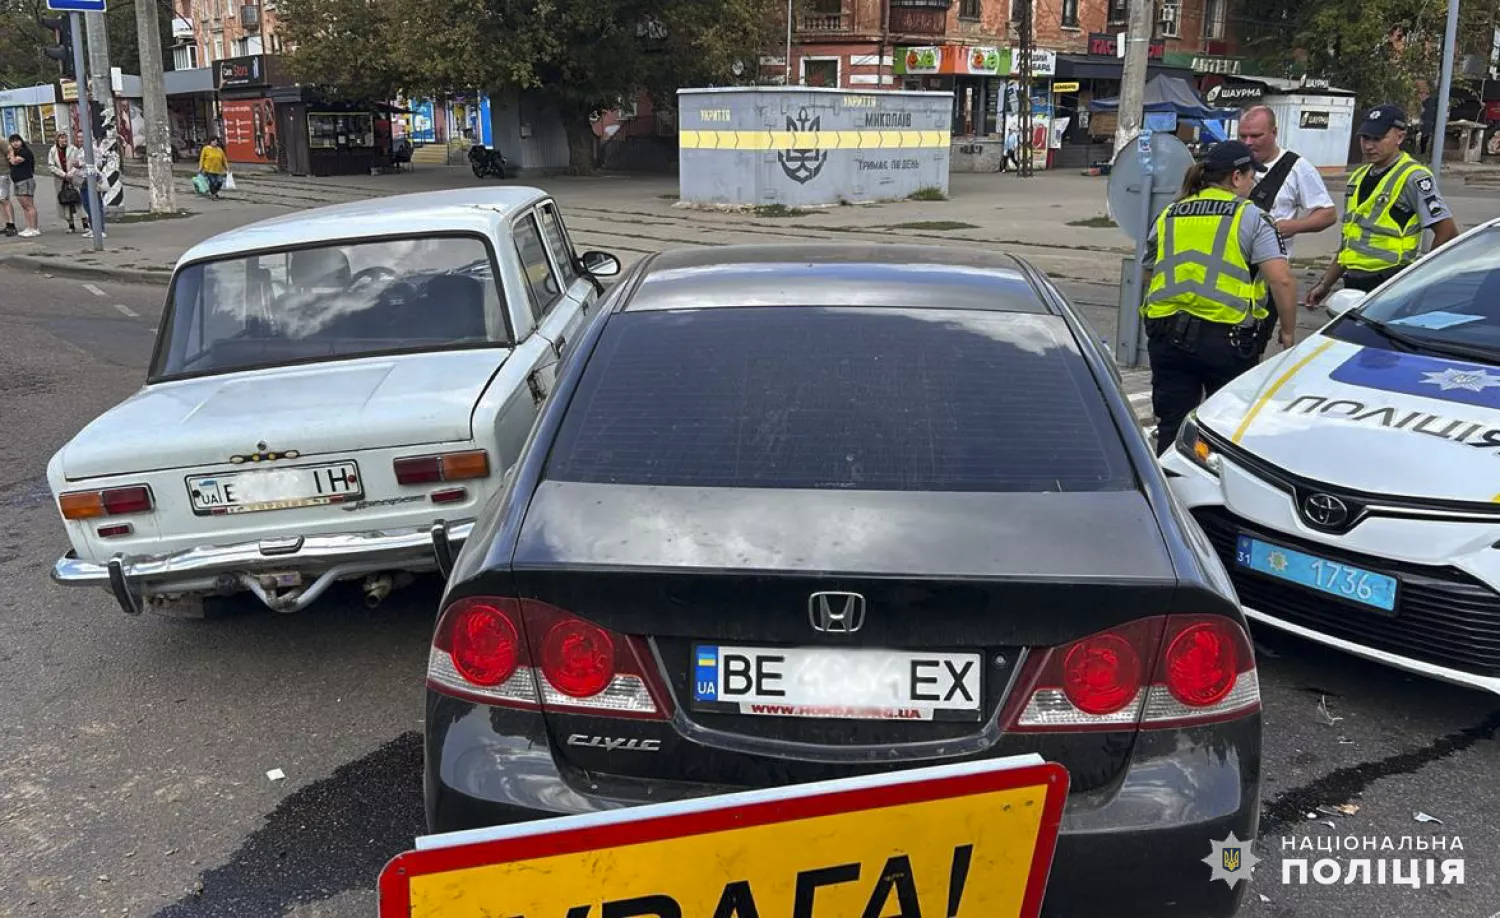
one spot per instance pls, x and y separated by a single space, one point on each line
1287 186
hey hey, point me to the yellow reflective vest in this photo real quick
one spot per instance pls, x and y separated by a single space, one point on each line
1374 240
1199 267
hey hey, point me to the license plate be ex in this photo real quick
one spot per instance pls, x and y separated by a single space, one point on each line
853 684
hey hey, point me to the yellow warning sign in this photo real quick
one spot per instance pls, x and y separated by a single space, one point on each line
957 841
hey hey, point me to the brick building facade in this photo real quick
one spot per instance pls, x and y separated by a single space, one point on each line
967 47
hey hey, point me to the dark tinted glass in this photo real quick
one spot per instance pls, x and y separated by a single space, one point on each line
840 398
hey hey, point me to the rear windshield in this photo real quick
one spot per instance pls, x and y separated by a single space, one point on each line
345 300
840 398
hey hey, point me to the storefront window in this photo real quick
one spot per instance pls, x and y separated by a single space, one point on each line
330 131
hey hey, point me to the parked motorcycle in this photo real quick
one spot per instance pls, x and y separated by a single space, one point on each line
485 161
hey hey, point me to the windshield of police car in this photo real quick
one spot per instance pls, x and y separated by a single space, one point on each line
335 301
1450 297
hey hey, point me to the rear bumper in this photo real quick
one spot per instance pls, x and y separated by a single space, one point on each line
133 579
1138 848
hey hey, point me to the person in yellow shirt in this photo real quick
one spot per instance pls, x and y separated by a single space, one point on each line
214 166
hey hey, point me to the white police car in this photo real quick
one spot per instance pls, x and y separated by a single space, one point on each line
1352 484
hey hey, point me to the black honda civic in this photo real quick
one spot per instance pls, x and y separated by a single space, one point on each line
801 513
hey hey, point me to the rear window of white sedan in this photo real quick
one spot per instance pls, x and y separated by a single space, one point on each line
345 300
840 398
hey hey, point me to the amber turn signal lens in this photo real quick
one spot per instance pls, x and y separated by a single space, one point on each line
443 467
82 505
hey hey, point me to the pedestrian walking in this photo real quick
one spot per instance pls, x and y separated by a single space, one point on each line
212 164
65 162
1287 186
1214 260
22 185
1388 203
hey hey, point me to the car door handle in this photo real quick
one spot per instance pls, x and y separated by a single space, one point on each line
562 344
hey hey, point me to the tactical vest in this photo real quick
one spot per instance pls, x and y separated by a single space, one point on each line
1374 239
1199 267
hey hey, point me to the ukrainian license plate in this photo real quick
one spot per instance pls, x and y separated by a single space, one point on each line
275 489
854 684
1342 580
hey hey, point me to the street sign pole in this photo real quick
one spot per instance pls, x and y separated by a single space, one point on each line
91 198
1129 333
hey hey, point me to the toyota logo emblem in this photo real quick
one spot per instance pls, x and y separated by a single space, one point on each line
1325 510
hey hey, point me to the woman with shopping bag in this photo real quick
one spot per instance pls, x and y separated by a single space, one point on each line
65 162
213 166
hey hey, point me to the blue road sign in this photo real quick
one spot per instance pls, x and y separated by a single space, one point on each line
76 6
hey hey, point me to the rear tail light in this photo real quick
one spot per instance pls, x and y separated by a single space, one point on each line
1157 672
86 505
528 654
417 470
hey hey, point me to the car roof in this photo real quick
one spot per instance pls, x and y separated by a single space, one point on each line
475 209
837 274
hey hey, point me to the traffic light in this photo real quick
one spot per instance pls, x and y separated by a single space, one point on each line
62 27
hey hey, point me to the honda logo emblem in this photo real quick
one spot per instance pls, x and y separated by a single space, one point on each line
837 613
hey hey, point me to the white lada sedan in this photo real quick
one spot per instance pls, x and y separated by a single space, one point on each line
333 395
1352 484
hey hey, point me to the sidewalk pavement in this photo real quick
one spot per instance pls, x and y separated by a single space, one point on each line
1054 219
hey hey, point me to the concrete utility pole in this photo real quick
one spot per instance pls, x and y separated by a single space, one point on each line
1445 88
1133 79
154 104
102 93
1023 67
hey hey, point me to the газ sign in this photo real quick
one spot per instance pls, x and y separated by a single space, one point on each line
955 841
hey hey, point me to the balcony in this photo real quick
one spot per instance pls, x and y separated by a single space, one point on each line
181 27
825 23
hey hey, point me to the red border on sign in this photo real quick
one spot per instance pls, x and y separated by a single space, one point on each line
395 878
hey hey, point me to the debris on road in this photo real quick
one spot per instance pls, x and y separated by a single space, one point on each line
1329 719
275 774
1423 817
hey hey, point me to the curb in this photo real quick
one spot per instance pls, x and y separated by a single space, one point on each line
61 267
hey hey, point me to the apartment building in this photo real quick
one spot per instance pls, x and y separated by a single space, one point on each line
969 48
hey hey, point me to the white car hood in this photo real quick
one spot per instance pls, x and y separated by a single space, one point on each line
320 409
1369 419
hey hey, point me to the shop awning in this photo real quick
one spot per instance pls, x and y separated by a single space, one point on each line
1092 67
1172 94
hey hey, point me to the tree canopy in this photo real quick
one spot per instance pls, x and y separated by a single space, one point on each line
580 56
1380 49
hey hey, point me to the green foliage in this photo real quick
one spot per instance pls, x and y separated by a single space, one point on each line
580 56
1380 49
21 41
124 38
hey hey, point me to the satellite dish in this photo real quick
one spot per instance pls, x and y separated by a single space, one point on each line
1170 159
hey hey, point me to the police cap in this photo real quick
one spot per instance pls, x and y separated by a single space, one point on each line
1226 157
1380 119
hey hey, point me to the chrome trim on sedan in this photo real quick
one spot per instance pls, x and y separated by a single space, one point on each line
220 568
1419 667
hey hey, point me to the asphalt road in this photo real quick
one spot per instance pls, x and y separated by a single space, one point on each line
134 752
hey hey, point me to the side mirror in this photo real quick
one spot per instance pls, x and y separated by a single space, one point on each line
600 264
1341 301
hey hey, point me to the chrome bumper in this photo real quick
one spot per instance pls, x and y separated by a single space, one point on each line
225 569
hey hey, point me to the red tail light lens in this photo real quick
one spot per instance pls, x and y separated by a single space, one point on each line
578 658
1201 669
486 645
1202 664
528 654
1102 674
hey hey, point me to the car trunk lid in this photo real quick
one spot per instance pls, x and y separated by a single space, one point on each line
323 409
723 587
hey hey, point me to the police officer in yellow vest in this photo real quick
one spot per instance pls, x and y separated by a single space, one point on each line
1216 258
1389 201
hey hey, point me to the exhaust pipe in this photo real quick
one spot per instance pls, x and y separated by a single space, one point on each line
377 588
